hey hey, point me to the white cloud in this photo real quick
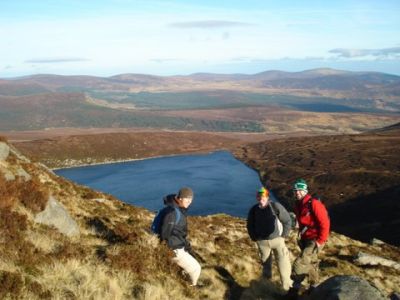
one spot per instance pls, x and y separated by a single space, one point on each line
56 60
354 53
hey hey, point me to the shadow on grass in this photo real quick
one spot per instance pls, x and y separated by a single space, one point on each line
104 232
235 290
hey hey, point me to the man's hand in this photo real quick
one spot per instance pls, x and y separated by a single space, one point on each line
188 247
318 246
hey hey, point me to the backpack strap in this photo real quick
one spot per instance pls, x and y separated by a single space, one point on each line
273 209
177 215
278 221
309 203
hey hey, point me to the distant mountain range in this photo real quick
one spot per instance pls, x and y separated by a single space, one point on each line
137 100
320 82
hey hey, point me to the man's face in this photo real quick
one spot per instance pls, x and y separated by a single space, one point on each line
299 194
262 200
185 202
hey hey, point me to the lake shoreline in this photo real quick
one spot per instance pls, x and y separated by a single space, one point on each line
136 159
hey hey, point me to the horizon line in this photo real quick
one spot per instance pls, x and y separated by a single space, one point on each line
195 73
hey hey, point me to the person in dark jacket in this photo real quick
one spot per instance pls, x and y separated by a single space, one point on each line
314 225
174 232
268 223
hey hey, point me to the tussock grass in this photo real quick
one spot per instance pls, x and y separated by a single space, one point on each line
42 241
15 286
85 280
158 291
11 284
8 265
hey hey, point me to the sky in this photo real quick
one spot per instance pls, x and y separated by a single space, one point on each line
179 37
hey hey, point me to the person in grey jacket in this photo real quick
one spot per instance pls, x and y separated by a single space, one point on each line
268 223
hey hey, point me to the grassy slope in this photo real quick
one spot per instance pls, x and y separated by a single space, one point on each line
84 149
115 256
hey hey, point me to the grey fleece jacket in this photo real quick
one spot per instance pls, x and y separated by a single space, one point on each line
261 223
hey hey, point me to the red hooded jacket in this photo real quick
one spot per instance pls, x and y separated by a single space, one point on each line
317 221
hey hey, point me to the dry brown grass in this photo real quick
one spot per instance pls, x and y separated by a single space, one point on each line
43 242
32 194
11 285
85 280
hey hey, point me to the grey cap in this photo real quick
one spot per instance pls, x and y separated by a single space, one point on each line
185 192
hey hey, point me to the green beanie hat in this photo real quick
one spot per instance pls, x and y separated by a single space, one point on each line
300 184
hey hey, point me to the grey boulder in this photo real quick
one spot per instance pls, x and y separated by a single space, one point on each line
345 288
56 215
4 151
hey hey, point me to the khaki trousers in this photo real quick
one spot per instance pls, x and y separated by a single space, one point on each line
188 263
281 253
307 263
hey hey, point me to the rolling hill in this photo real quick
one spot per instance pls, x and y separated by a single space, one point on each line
316 82
145 101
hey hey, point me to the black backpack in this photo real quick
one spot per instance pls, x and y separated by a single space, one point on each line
158 219
316 198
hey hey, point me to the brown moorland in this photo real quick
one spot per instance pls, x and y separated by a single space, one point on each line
284 121
108 147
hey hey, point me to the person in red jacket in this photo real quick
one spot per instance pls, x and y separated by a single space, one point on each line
314 225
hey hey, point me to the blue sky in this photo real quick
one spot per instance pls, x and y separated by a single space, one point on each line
108 37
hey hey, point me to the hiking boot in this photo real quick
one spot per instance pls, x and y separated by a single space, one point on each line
197 286
292 294
201 284
310 289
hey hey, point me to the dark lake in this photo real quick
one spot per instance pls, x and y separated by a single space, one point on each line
221 183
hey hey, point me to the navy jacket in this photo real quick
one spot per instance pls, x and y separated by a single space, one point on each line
174 234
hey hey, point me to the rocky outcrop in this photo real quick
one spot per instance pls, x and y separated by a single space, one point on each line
345 288
365 259
10 171
56 215
4 151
